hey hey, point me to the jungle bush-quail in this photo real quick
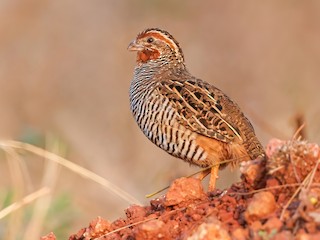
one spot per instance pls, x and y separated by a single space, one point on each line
185 116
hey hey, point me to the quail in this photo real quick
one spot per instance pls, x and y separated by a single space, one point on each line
183 115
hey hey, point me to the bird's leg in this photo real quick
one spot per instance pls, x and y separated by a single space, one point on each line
213 177
204 173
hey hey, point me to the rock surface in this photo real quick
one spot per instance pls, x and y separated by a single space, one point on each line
278 198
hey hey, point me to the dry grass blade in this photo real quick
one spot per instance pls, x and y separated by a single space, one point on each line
193 174
300 124
18 176
296 135
26 200
313 173
140 222
291 185
161 190
124 227
71 166
307 180
303 184
41 206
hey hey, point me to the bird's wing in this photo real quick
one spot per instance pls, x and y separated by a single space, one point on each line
200 107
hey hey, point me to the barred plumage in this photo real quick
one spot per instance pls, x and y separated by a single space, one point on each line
183 115
157 117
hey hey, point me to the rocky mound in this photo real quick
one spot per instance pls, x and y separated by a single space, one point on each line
278 198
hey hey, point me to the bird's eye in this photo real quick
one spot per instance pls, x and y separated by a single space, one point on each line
150 40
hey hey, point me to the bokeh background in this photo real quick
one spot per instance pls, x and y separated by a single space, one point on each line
65 71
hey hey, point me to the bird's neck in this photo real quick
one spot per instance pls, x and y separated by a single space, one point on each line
161 66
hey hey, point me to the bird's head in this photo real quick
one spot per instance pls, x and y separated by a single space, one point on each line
154 44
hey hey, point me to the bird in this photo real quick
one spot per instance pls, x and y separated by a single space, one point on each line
185 116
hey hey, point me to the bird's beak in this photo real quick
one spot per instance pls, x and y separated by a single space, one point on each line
134 46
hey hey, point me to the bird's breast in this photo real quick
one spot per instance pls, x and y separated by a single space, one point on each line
157 117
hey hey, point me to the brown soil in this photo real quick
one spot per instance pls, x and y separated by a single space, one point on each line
278 198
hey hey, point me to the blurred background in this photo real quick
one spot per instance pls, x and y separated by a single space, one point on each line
65 73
